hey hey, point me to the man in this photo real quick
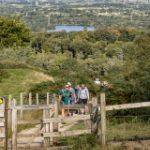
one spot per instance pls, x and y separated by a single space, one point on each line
83 94
65 95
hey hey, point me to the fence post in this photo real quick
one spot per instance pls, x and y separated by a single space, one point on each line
30 98
21 103
56 107
48 102
51 130
48 128
9 110
56 113
37 98
103 118
14 126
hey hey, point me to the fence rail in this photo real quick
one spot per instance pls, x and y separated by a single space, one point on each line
67 119
33 107
67 133
128 106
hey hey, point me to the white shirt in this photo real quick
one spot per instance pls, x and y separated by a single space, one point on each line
84 93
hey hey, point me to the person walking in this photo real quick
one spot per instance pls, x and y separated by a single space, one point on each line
77 89
65 95
72 93
83 94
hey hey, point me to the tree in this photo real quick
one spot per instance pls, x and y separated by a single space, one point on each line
13 33
80 46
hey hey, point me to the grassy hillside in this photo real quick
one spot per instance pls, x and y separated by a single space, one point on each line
20 80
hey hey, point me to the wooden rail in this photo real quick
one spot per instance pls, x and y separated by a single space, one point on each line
75 106
67 133
67 119
128 106
33 107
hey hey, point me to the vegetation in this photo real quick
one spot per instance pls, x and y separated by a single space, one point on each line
13 33
110 49
79 57
123 54
123 128
20 80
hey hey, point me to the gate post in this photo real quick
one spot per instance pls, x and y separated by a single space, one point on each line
14 126
9 111
103 118
3 123
21 103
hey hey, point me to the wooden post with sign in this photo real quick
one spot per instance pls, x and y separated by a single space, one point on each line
3 124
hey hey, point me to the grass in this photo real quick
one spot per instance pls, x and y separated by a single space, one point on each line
20 80
14 84
79 126
128 131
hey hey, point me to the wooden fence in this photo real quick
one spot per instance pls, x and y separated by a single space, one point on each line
52 118
104 108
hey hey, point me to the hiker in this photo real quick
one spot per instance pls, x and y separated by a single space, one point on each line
65 95
77 89
72 94
83 94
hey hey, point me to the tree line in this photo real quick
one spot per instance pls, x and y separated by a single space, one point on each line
79 57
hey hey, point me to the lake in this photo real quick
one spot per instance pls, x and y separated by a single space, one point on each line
69 28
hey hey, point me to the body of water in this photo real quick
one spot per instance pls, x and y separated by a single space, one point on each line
70 28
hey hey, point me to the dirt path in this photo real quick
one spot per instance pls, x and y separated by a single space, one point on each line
36 140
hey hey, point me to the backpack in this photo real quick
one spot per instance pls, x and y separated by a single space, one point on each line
65 93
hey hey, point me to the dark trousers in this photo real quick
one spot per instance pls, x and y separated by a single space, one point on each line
82 101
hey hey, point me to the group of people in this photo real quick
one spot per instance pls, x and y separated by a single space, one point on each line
78 95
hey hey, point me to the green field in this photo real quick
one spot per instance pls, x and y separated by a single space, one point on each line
20 80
